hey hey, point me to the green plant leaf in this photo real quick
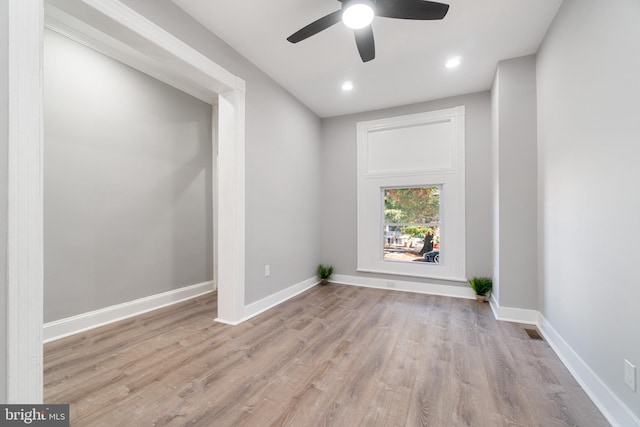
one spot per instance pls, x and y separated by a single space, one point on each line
481 285
324 271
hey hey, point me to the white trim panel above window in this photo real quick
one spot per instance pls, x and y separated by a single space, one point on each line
413 151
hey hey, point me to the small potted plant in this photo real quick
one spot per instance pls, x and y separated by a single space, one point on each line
324 273
482 287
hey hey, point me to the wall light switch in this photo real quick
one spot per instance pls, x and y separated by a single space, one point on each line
267 271
630 375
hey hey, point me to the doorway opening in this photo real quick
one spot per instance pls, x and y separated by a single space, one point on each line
119 32
129 188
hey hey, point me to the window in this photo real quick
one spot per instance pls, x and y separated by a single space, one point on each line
411 195
411 224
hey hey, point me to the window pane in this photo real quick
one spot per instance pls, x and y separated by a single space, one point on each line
411 228
419 205
410 243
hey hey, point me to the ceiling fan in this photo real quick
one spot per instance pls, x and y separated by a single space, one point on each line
358 15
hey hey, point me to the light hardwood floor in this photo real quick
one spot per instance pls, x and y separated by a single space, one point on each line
333 356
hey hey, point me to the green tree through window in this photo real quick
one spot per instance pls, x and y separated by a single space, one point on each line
411 214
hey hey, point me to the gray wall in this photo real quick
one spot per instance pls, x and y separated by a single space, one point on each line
515 183
588 130
339 185
3 194
127 183
282 163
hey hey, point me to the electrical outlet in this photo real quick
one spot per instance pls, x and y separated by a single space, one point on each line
630 375
267 271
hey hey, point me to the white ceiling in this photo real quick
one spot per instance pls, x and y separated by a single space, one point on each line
410 55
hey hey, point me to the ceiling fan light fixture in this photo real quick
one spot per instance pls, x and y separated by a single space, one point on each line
358 14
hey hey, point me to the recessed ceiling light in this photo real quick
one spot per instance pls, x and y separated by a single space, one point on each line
347 86
358 14
453 62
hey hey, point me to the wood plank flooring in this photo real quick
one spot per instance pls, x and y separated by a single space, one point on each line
333 356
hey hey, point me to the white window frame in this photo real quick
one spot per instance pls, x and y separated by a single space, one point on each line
451 179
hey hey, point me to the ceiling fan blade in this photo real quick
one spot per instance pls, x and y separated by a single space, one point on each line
411 9
316 26
365 43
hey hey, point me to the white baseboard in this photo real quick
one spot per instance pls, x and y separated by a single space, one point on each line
508 314
401 285
614 410
271 301
226 322
82 322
